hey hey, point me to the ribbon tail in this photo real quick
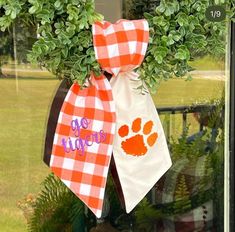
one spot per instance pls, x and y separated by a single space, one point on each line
140 150
83 141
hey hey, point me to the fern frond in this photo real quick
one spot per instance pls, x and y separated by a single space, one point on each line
56 208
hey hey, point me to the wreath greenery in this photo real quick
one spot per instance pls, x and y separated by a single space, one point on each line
64 44
179 33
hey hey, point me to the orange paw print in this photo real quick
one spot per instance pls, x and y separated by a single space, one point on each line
136 144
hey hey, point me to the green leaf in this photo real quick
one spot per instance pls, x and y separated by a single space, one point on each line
8 11
177 37
182 53
169 10
170 40
32 10
159 59
182 19
65 51
161 8
13 14
148 16
57 4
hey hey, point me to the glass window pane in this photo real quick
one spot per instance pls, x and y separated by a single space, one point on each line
26 94
189 196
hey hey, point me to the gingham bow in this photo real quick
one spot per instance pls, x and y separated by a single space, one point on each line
91 122
120 47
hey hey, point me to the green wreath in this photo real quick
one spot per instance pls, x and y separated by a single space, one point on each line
179 33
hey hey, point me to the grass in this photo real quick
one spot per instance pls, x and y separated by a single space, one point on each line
207 63
22 118
177 92
25 70
23 115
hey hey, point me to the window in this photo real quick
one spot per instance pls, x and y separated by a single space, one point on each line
196 111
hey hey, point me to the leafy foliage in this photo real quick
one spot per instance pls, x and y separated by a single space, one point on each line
192 160
185 154
183 149
56 208
179 33
64 45
146 216
182 195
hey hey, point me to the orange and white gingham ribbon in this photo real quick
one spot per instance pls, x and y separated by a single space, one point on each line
82 146
86 128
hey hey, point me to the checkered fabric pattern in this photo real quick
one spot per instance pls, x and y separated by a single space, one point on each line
83 141
194 174
198 219
120 47
82 145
